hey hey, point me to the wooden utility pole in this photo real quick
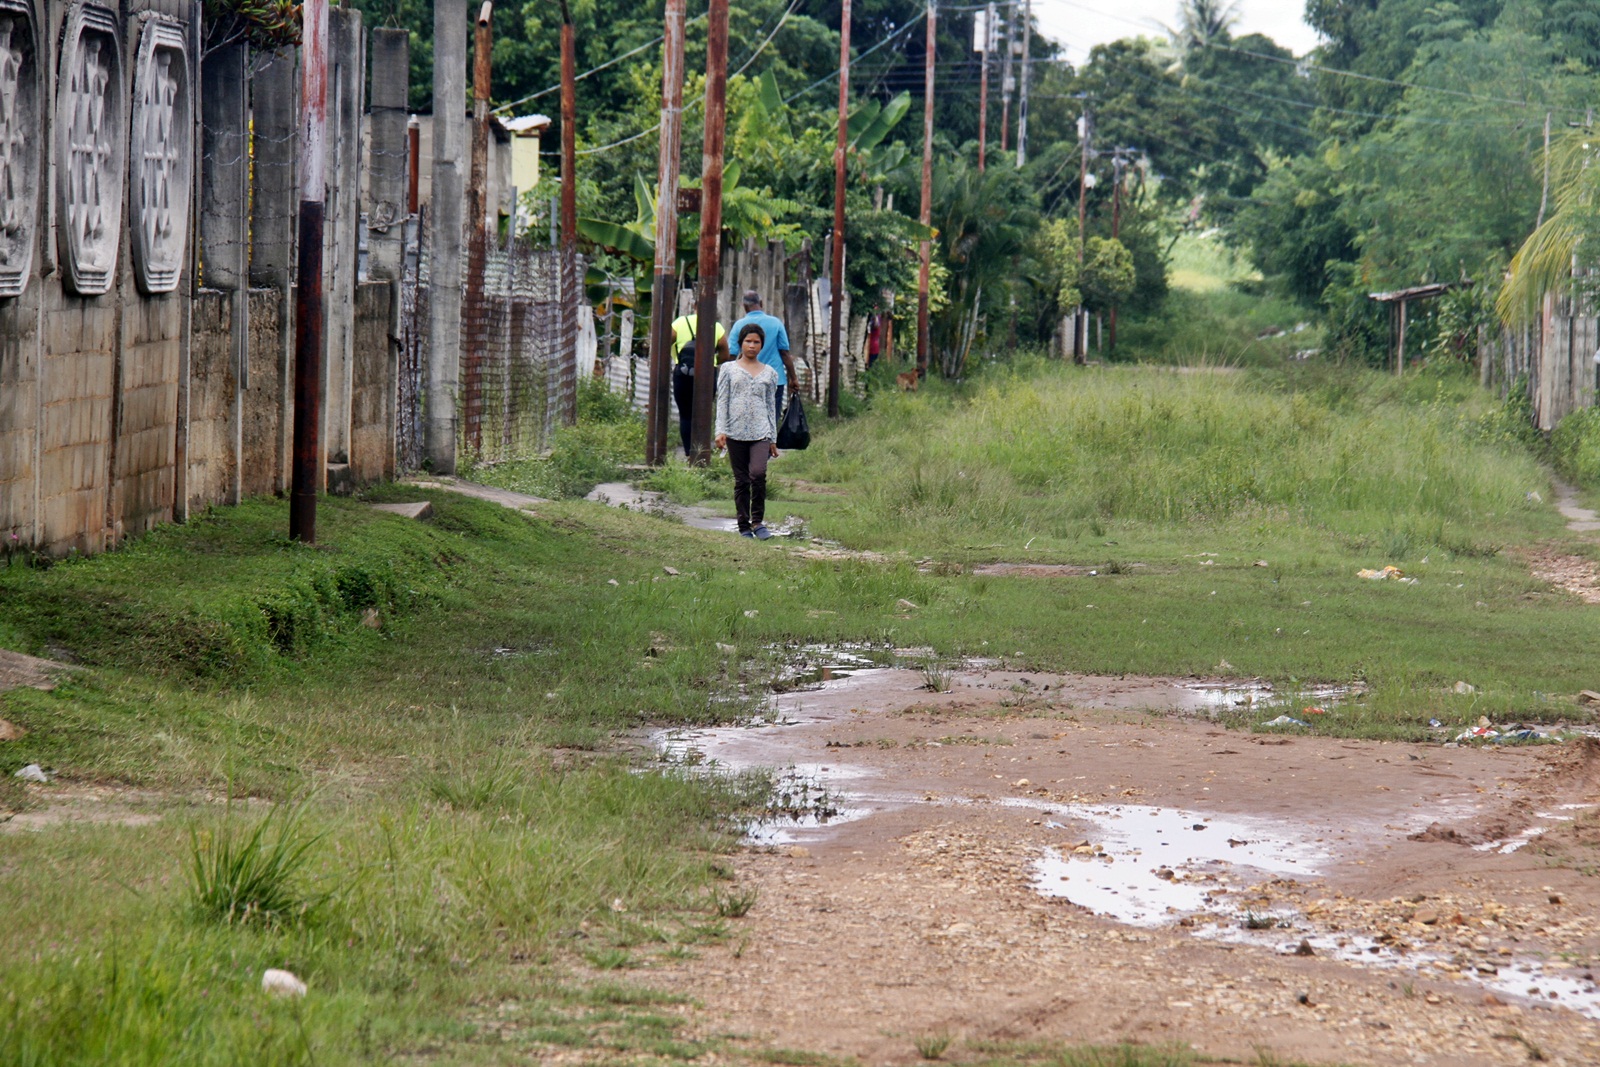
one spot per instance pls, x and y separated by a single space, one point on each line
836 291
1022 95
705 348
1008 80
474 326
664 290
569 139
926 215
305 477
988 15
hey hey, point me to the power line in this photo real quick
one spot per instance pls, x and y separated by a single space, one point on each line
746 66
1307 65
613 61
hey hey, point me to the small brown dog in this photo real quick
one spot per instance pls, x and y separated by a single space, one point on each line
907 381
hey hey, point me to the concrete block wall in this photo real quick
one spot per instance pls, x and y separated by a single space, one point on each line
129 397
374 396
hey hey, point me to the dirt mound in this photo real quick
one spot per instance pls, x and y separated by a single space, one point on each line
18 671
1493 830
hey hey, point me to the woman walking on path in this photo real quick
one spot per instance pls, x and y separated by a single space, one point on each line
747 427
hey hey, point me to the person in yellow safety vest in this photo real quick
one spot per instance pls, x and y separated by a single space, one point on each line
683 354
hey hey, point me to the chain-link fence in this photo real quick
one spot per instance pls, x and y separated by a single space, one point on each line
519 340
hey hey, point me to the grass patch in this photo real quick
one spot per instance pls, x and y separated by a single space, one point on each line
255 875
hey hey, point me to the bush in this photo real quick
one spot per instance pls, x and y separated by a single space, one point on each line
1575 447
238 878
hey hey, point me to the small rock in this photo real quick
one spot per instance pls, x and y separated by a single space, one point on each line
617 905
1434 998
671 570
1555 898
904 605
612 581
1260 563
726 650
752 613
1166 874
1492 1001
1463 688
799 852
10 731
1304 948
1023 783
1425 916
1305 998
33 773
281 984
1589 696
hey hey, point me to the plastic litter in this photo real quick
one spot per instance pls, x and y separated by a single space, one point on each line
1313 711
1478 733
1285 720
282 984
33 773
1435 723
1384 575
1520 735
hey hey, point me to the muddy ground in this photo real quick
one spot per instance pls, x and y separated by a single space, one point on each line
1033 857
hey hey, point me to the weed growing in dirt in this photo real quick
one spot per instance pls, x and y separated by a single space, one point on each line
932 1046
735 903
936 677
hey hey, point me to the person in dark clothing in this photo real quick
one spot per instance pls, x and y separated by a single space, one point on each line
683 351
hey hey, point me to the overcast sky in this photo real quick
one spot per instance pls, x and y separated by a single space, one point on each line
1082 24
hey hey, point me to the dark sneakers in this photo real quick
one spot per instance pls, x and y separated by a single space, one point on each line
746 533
762 532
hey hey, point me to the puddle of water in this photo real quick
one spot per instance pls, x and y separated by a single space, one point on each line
1213 697
1154 859
1508 845
1521 978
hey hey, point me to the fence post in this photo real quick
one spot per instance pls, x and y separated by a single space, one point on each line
341 247
224 194
391 72
274 199
444 263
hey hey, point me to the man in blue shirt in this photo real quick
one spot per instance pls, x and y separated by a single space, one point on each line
775 353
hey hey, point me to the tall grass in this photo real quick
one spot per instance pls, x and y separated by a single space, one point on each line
255 875
1065 451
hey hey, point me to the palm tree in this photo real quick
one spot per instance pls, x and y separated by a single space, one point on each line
1202 23
1568 239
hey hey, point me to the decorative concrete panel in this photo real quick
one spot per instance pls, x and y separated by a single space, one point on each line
91 120
163 164
20 123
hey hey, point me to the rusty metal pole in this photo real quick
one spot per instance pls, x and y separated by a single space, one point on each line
705 363
983 87
414 162
926 216
664 287
305 478
836 298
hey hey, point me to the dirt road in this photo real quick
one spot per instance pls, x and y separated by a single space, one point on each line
1033 857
